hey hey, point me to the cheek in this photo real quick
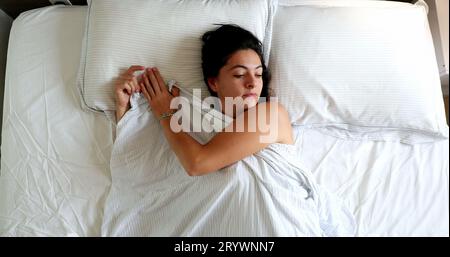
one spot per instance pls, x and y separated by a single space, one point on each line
231 89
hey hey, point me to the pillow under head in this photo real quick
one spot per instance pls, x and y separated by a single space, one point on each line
162 33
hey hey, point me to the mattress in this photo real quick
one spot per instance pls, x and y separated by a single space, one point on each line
54 156
55 174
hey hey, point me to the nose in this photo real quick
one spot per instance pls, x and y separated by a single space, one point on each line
250 82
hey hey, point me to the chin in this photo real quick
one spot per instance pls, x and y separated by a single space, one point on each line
250 102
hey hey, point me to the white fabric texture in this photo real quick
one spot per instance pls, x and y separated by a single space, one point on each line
393 189
266 194
359 70
166 34
343 3
54 156
54 176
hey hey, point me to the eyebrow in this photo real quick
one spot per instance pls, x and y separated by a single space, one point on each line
244 67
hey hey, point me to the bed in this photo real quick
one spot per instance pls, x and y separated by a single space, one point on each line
55 155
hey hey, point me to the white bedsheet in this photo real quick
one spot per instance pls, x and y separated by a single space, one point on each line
393 189
55 157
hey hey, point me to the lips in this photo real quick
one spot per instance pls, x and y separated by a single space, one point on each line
249 95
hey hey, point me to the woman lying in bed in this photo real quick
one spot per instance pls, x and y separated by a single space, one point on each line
233 68
259 189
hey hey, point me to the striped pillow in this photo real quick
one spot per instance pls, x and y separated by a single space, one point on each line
162 33
359 70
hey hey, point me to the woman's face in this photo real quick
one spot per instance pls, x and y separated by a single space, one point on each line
240 77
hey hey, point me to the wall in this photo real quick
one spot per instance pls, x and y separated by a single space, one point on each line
442 14
438 18
5 25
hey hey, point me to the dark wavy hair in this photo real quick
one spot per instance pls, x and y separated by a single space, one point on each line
220 44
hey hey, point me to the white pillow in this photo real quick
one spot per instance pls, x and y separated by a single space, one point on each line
359 70
162 33
343 3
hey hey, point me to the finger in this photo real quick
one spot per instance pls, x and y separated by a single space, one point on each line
126 89
134 79
154 81
135 83
126 78
148 86
139 78
162 85
175 91
145 92
134 68
133 89
131 86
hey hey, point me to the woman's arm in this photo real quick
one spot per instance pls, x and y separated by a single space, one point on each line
120 111
226 147
229 147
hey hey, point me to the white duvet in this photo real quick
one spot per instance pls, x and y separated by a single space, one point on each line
265 194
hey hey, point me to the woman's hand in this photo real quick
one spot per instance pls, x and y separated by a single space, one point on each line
156 93
126 85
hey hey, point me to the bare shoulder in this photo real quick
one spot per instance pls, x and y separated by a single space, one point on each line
278 116
272 104
275 107
269 113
